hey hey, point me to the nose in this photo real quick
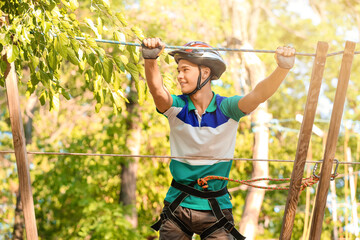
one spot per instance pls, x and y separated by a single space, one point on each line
180 75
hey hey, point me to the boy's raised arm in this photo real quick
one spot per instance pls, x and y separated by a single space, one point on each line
152 48
285 57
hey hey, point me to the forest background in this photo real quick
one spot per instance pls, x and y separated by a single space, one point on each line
88 97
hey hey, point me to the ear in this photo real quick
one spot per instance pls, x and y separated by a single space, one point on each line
205 71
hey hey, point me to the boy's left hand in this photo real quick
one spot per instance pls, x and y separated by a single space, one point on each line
285 57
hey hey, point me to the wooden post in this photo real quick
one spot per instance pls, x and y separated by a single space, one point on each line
336 115
346 193
20 151
354 218
307 204
334 209
304 139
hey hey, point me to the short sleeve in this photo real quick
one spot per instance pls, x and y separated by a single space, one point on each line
177 104
229 106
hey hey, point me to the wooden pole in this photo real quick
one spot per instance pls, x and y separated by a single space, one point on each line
336 115
346 193
334 209
355 219
346 184
304 139
357 158
308 193
20 151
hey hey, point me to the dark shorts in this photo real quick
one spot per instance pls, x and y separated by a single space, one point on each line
197 221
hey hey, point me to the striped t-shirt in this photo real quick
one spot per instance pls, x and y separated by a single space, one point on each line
211 135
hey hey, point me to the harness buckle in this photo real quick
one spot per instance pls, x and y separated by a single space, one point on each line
229 227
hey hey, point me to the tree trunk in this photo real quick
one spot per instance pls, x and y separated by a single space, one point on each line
19 223
244 33
259 118
129 168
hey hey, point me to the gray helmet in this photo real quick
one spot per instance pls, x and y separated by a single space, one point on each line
208 58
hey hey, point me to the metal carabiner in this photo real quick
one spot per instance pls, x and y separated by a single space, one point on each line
332 175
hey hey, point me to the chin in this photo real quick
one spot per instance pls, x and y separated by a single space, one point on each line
185 91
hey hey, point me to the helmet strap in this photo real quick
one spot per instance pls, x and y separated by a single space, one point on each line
199 84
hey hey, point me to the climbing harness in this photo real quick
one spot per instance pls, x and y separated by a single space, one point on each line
186 190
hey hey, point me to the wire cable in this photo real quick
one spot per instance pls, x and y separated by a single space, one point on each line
214 48
166 157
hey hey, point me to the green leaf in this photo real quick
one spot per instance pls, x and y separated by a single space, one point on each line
63 39
98 107
43 97
134 54
116 99
117 80
52 60
55 102
73 5
72 56
140 87
122 95
119 63
91 24
132 69
120 37
46 26
34 62
3 67
88 75
75 45
61 43
141 69
91 42
108 66
30 88
65 94
106 3
101 53
99 25
12 53
167 59
98 68
98 84
138 32
124 59
91 58
120 16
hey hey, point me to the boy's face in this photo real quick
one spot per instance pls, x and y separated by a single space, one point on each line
188 74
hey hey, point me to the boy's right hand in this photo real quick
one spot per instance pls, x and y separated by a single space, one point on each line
152 48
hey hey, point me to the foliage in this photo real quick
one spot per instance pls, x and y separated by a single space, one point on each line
45 34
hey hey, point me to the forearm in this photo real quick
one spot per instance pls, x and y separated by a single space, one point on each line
153 76
267 87
162 97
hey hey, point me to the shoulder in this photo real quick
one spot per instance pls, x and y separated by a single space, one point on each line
229 106
178 104
179 100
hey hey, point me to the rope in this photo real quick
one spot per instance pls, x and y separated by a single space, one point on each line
164 156
213 48
306 182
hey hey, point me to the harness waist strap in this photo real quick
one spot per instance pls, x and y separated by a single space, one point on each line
197 193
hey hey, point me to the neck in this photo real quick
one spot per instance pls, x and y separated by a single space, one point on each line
202 98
